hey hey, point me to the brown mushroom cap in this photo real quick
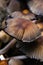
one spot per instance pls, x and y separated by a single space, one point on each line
22 29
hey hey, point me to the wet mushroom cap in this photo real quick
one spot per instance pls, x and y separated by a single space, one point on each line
22 29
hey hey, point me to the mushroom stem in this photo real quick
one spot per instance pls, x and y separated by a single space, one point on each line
18 57
8 46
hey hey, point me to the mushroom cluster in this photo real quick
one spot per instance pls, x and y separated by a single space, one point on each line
21 31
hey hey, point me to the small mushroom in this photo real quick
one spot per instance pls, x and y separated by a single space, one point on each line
22 29
36 6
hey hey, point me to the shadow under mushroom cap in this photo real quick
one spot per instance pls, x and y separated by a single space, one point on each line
22 29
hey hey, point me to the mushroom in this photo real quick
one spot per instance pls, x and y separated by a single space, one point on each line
20 29
36 6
